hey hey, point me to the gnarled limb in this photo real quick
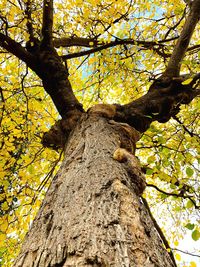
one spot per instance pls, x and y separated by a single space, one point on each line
162 102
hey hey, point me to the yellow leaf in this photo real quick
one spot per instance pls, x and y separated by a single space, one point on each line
193 264
2 173
2 196
2 237
178 257
4 226
176 243
16 132
91 60
4 206
187 81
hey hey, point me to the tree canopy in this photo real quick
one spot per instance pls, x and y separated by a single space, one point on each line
113 52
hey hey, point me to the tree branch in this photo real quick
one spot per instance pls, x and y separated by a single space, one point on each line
176 25
145 44
47 24
185 252
50 69
3 107
117 19
16 49
180 194
29 19
168 193
93 42
194 47
173 68
196 79
160 103
184 127
75 41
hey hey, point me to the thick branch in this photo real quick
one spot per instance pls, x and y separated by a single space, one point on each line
53 73
51 70
17 50
194 47
181 46
162 102
144 44
49 67
75 41
47 22
56 83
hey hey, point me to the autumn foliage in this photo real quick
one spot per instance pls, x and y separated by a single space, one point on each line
113 52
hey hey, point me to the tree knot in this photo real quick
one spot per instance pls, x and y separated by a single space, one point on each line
104 110
58 135
133 168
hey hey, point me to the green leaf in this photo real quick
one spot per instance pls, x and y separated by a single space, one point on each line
149 171
189 204
189 171
30 169
161 140
172 186
148 116
151 159
163 196
189 226
187 81
178 209
195 235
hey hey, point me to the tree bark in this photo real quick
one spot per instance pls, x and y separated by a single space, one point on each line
93 213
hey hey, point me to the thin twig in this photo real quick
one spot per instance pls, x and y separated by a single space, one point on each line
186 252
3 104
180 194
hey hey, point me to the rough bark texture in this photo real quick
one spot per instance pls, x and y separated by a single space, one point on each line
93 214
160 103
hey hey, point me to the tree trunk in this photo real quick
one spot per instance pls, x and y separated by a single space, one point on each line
93 214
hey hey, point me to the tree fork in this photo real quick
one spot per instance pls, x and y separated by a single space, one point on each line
93 214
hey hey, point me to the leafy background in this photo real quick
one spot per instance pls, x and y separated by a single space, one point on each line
169 152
